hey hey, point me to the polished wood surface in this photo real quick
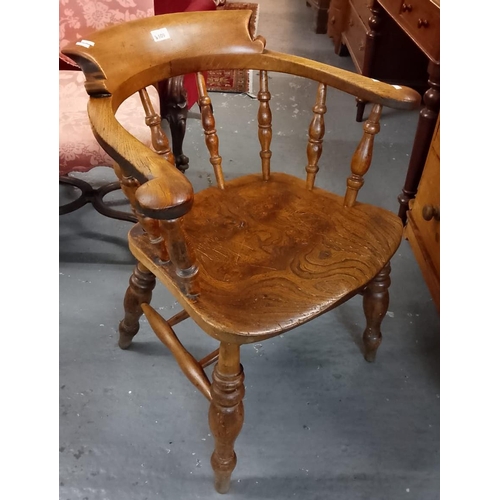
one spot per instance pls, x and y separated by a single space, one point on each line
423 226
251 257
273 255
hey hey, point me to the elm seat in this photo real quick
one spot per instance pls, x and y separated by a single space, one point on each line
255 256
275 254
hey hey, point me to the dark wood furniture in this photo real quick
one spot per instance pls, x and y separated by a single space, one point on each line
251 257
395 41
422 226
320 8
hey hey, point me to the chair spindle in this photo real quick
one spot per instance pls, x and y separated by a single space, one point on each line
316 133
208 122
265 128
153 121
187 363
181 257
362 157
129 186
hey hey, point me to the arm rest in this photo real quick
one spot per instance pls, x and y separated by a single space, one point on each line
165 192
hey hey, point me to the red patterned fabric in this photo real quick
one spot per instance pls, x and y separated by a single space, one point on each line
78 149
173 6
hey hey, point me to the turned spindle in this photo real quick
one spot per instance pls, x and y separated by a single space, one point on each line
362 157
375 305
159 139
226 413
208 122
264 118
316 133
188 364
181 257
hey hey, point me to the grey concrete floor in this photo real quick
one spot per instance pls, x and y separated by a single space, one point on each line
320 422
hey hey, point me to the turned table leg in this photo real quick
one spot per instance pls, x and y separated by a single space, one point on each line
173 108
226 412
139 291
375 305
425 129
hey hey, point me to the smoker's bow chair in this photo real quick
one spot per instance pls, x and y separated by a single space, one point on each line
255 256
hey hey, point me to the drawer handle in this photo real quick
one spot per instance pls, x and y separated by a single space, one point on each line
430 212
407 7
423 23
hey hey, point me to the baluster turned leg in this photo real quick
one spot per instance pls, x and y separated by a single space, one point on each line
226 413
375 305
139 291
173 107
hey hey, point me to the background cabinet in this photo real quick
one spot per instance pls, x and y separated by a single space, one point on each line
422 227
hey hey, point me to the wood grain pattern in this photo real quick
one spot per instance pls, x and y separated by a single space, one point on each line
272 255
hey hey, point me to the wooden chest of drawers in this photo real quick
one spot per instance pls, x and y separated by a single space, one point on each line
420 19
422 227
397 60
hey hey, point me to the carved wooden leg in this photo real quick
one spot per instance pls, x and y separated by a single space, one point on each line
173 107
140 290
226 412
423 136
375 305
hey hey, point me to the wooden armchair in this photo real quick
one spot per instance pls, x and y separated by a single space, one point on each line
253 257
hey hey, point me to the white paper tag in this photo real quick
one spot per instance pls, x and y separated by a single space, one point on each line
85 43
160 34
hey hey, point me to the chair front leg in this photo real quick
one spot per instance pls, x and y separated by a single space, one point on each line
226 412
139 291
375 305
173 108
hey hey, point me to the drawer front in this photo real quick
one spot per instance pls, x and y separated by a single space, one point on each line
420 19
427 198
362 9
355 38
